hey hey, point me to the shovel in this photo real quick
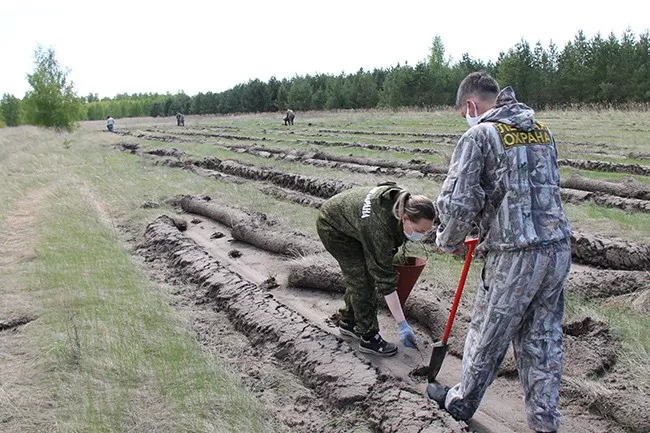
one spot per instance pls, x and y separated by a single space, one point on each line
440 348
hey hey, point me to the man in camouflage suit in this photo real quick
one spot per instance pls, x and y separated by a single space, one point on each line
180 119
504 176
362 230
288 117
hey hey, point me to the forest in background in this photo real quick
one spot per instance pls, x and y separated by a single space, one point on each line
600 71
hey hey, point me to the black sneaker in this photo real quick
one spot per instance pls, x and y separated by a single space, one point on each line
377 346
347 329
438 393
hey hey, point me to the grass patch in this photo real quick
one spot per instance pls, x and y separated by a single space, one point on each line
609 221
566 172
117 354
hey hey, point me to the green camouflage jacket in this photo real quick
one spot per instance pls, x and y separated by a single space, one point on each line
366 215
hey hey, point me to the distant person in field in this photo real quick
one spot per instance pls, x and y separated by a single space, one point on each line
180 119
288 118
363 228
110 123
504 175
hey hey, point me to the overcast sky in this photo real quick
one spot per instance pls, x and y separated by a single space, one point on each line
198 46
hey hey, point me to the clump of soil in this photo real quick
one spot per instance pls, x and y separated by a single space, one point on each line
196 221
179 223
419 372
150 205
269 284
234 254
590 350
589 347
128 147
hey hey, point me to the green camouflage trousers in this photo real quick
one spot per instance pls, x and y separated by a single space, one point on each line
360 298
521 300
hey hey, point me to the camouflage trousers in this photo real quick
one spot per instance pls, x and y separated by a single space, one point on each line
360 298
520 300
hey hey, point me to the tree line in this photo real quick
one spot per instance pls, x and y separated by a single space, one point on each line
604 71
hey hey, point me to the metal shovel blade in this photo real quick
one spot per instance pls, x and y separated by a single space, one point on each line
437 357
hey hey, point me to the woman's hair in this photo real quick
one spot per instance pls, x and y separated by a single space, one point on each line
415 207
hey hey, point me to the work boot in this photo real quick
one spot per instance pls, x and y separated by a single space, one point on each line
377 346
438 393
347 329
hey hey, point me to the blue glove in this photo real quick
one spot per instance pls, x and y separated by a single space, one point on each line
406 335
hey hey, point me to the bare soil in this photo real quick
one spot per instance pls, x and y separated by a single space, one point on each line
590 348
286 308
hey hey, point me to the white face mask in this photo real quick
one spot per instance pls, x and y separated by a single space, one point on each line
414 236
472 121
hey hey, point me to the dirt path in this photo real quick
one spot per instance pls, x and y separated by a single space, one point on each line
502 410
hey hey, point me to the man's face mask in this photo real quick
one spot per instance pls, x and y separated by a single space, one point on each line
472 121
413 236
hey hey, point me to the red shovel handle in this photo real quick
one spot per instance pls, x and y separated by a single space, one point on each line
459 291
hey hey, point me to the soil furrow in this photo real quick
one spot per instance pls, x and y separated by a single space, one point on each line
454 137
613 167
400 168
590 351
292 196
323 362
599 252
597 283
630 187
587 191
587 249
577 196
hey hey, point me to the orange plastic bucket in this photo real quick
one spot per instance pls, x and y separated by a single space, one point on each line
408 276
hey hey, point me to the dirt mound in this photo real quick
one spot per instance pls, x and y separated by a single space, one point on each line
611 399
630 187
576 196
311 185
173 152
127 147
613 167
320 272
610 254
453 138
324 363
252 229
596 283
589 348
292 196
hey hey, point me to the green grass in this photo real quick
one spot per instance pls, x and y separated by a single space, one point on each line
109 338
610 221
113 355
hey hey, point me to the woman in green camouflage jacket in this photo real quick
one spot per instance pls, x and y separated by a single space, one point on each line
362 228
